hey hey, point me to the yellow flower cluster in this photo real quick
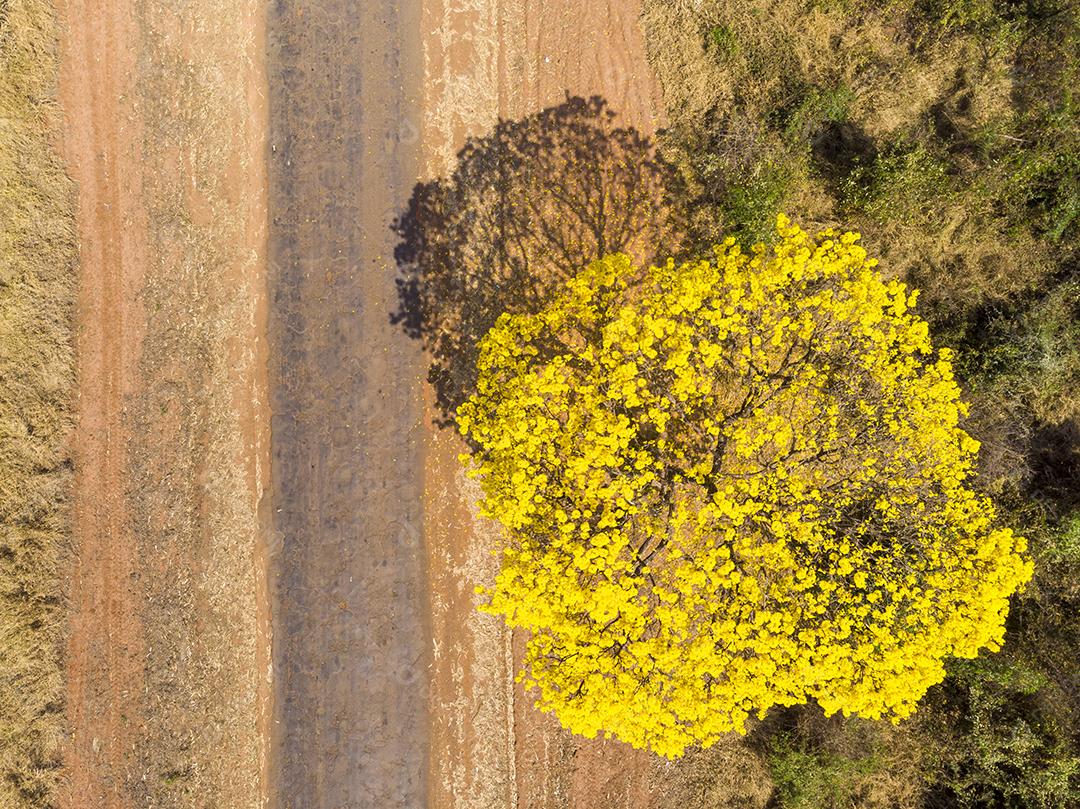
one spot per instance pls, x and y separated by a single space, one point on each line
731 484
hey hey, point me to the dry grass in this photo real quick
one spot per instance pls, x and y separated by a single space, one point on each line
759 85
755 54
729 775
37 281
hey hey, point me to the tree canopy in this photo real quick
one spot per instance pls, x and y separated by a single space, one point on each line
730 484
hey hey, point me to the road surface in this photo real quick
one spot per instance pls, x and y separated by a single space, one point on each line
348 587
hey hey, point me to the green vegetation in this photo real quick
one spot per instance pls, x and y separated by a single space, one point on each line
948 133
36 292
817 779
1002 736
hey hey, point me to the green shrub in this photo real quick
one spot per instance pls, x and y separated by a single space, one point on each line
750 204
1030 353
1008 743
815 107
1064 547
1039 188
952 15
722 41
810 778
904 183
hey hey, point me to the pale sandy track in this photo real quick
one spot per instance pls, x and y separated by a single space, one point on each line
353 640
167 659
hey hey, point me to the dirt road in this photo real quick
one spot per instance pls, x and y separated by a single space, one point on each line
168 627
351 643
105 652
359 468
220 287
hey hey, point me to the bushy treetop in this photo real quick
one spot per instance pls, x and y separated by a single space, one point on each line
730 484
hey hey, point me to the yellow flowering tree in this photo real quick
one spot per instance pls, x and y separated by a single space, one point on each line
731 484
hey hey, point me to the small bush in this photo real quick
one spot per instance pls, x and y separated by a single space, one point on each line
903 184
1064 548
812 110
814 779
722 41
750 205
948 16
820 763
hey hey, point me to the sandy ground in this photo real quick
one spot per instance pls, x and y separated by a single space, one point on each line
105 652
168 653
360 468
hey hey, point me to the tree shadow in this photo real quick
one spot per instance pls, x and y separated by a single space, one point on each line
838 149
527 206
